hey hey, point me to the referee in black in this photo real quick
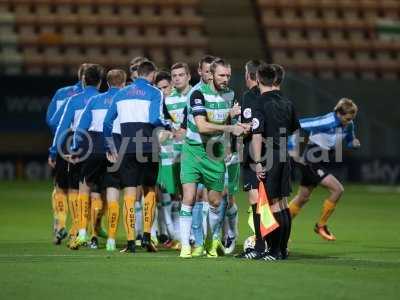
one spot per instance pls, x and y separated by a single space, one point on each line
248 106
274 120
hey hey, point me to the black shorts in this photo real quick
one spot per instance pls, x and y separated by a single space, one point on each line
249 178
112 179
134 173
93 171
277 178
60 173
312 173
74 175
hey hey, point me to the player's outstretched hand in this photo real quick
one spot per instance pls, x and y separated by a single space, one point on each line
51 162
356 143
112 157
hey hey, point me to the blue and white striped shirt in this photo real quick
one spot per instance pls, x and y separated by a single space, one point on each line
57 103
327 131
71 114
138 107
92 120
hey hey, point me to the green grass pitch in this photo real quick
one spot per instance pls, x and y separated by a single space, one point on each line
364 263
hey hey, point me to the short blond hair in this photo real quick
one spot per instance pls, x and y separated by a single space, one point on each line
116 77
346 106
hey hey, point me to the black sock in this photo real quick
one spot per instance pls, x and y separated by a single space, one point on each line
287 224
260 245
276 235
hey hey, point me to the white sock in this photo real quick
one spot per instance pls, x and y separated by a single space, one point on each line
167 211
214 221
185 222
162 228
206 208
175 208
82 232
155 225
138 218
232 217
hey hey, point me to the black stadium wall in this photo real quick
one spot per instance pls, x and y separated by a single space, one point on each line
25 138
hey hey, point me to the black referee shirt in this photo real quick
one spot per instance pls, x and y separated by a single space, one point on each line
275 118
248 106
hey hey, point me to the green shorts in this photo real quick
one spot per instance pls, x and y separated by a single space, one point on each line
198 167
169 178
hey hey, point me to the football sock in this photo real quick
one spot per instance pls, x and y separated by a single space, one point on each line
154 226
185 224
83 211
197 223
73 208
232 218
327 211
96 210
129 217
148 211
287 229
276 235
61 208
138 217
206 208
175 214
260 245
214 220
54 208
167 212
113 215
294 209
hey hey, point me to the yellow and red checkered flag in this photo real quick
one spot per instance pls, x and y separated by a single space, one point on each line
267 220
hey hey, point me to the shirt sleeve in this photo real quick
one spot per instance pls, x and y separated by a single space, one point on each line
108 123
156 108
184 122
61 132
258 120
197 104
295 124
350 135
319 124
83 125
51 109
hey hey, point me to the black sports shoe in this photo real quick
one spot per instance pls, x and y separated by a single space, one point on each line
59 236
162 238
94 243
269 256
147 243
251 254
130 247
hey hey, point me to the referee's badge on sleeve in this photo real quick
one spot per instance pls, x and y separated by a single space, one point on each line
197 101
255 123
247 113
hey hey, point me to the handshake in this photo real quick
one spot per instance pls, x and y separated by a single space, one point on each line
239 128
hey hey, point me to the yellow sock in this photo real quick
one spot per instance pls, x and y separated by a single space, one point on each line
83 210
113 215
294 209
96 211
54 208
73 208
327 210
129 217
148 211
62 208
